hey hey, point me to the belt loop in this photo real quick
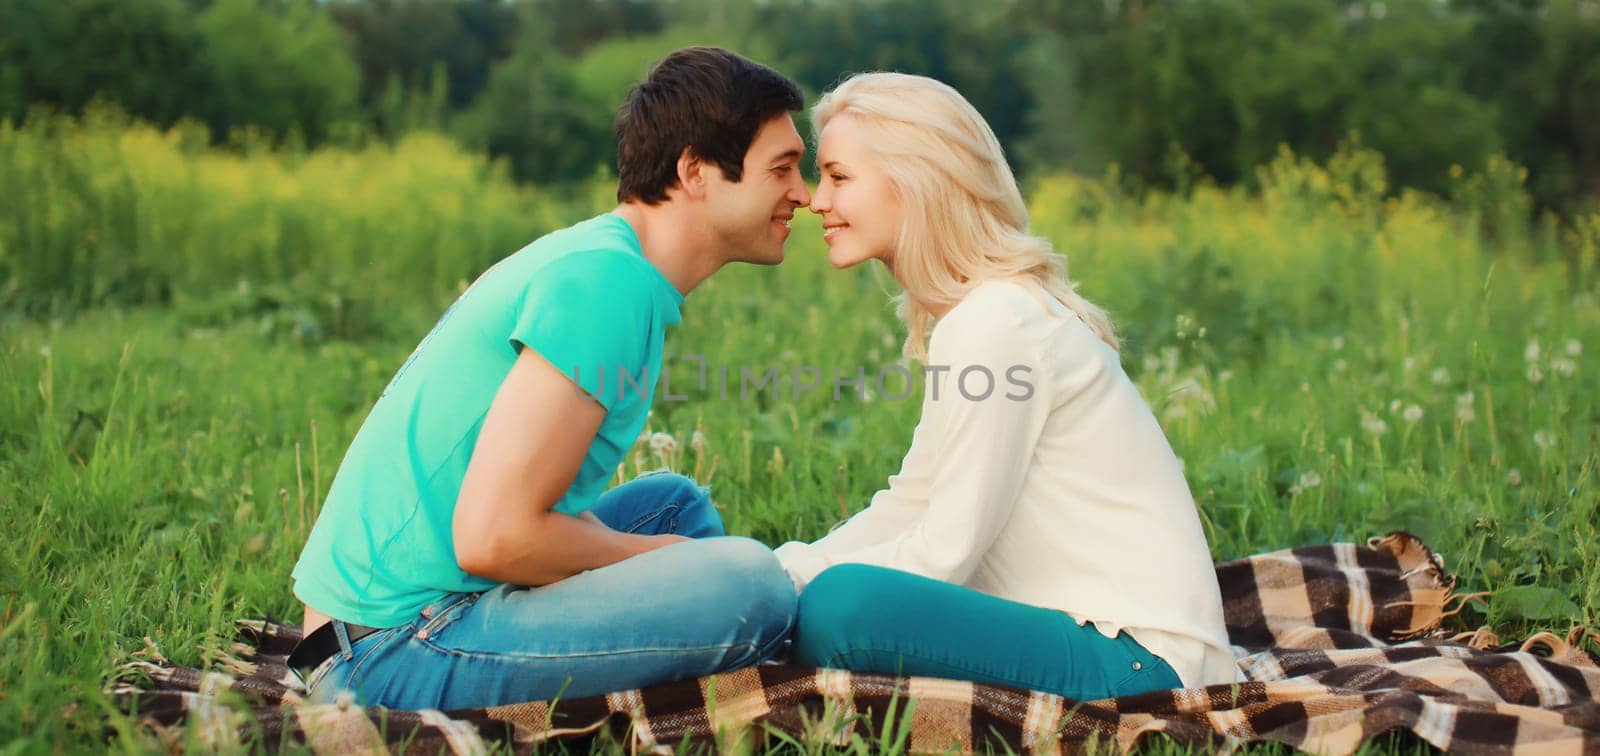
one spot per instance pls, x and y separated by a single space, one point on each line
343 634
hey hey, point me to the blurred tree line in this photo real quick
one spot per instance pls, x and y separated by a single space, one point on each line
1164 89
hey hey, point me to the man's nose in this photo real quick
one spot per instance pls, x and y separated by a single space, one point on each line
804 196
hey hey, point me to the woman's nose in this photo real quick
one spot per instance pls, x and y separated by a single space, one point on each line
819 201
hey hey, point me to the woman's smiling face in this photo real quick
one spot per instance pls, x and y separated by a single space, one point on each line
859 205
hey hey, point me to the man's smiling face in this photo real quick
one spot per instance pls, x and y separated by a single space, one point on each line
750 217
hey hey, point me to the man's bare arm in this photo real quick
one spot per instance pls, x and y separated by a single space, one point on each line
528 452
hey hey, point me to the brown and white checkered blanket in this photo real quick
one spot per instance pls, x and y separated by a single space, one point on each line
1340 643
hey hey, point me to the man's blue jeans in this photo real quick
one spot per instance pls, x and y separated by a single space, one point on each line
682 611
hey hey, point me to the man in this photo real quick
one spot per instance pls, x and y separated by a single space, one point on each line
466 554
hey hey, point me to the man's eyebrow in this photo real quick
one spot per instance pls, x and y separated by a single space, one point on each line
790 155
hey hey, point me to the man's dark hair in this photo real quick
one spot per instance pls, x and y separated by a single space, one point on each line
704 98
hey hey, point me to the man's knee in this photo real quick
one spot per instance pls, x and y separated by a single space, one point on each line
750 569
665 485
739 581
679 497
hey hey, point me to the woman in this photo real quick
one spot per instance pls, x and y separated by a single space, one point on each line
1040 533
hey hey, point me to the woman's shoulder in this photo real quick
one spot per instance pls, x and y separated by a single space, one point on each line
993 316
1019 319
998 302
1001 308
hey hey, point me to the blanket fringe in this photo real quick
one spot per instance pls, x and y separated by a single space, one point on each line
1423 570
235 660
1483 638
151 652
1568 650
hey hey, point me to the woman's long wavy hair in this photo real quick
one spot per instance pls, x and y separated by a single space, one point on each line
964 221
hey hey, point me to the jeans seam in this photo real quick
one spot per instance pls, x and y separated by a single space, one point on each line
447 615
320 671
361 662
354 662
672 507
776 643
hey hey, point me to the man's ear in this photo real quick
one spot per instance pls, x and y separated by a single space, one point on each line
692 174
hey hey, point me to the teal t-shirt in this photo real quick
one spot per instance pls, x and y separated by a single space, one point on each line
586 299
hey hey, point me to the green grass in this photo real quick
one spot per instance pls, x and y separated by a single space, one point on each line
164 446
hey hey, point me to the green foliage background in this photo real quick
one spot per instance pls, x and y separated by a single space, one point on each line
1067 84
1352 247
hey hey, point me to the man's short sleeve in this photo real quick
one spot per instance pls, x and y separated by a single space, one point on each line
588 314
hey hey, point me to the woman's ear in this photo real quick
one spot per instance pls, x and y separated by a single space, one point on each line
691 174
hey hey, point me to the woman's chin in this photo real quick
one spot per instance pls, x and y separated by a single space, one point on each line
841 260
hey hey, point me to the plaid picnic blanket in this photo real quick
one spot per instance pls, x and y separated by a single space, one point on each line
1340 643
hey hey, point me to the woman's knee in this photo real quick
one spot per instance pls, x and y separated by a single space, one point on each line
835 608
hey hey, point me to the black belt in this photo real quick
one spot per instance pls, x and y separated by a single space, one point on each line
322 643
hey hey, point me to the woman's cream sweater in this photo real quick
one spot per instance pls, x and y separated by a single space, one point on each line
1048 483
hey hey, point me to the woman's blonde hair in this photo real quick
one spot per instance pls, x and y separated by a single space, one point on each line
964 220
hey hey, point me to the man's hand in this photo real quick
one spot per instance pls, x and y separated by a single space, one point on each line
528 452
663 539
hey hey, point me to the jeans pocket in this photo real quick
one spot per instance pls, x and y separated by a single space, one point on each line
1145 672
443 613
318 673
342 673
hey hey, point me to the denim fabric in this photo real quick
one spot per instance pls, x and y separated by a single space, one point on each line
690 609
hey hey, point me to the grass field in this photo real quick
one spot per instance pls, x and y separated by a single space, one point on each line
189 338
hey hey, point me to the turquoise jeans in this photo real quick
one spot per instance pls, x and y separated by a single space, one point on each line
707 605
872 619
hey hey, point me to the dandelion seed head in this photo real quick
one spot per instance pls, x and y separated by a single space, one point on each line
698 441
1564 367
1339 366
1336 343
1574 347
1544 439
1373 424
1413 413
1513 477
1531 353
1441 376
1535 375
1465 413
663 443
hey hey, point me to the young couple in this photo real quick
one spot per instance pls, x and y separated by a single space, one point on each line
469 555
